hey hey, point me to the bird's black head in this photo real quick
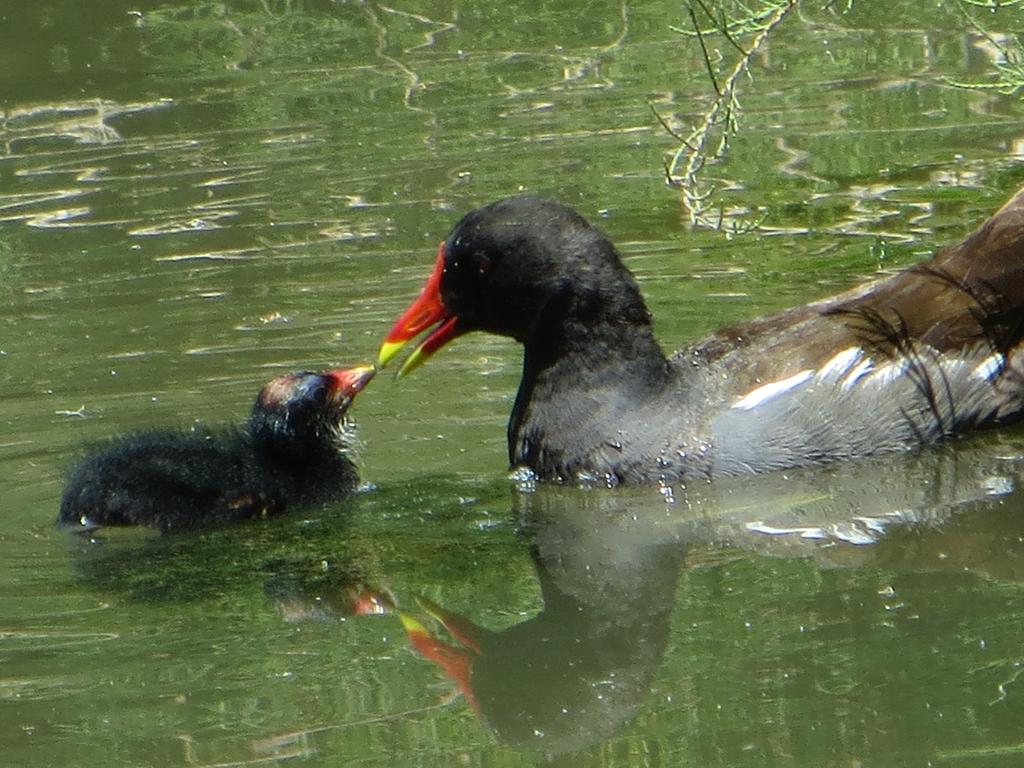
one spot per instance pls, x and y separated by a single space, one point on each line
300 413
506 264
524 267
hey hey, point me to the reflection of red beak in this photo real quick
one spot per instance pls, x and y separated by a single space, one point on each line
471 635
427 310
456 662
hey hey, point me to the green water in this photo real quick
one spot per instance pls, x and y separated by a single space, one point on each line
195 197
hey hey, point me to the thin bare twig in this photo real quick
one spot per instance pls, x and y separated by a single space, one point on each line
723 27
704 50
1010 69
722 115
669 129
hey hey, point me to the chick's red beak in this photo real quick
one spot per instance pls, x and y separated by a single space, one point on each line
427 310
347 383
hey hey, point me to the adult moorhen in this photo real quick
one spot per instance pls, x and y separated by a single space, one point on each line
294 451
890 365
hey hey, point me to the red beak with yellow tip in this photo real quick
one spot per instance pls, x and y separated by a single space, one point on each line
427 310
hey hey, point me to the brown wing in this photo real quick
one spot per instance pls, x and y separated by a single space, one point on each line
967 293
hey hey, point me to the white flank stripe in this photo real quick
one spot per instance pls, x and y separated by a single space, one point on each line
989 368
774 389
862 368
889 372
840 364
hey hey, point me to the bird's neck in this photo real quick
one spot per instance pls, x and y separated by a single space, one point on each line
581 381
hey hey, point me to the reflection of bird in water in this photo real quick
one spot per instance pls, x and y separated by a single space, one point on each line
891 365
577 672
293 451
311 591
354 600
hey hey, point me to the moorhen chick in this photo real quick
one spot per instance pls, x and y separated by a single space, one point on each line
294 451
890 365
